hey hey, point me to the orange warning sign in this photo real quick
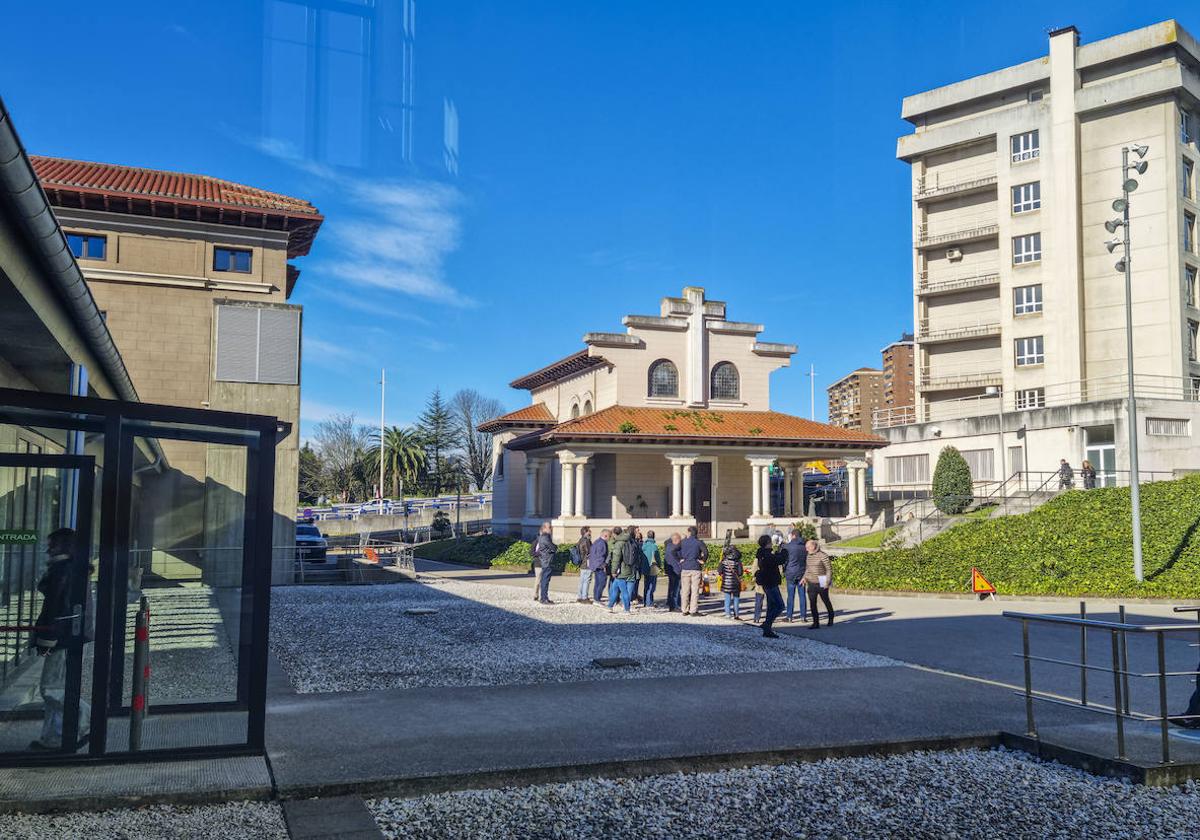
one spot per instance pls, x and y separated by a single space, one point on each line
980 584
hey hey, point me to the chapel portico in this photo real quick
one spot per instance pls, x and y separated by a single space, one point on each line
670 427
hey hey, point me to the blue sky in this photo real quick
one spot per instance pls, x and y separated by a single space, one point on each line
607 155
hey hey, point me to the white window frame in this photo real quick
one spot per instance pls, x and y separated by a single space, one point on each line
1191 285
1027 197
1189 232
1195 391
1027 300
1193 328
1031 398
1188 172
1025 146
1030 350
1168 427
981 463
1187 132
908 469
1027 248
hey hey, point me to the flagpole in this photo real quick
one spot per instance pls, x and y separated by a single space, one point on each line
382 404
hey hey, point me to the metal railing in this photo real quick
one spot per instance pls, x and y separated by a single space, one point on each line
927 285
1118 632
955 181
958 376
955 330
899 415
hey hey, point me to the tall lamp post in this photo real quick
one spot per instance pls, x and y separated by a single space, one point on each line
996 389
1125 264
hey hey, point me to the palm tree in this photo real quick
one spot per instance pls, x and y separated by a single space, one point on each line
403 456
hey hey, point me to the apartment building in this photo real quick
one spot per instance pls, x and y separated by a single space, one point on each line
192 276
899 383
854 399
1018 307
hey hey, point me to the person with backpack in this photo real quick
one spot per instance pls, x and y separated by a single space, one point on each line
768 578
652 569
580 554
693 553
730 571
673 565
543 551
635 537
615 546
597 562
624 568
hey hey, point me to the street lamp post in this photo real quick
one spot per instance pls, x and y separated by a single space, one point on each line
1125 264
999 392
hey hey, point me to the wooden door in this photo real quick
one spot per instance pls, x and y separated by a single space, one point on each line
702 497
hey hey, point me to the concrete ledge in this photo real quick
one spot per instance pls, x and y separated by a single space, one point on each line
1151 775
524 776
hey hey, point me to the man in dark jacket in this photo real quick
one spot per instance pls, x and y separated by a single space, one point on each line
58 627
674 565
597 562
583 550
544 550
793 570
693 553
768 578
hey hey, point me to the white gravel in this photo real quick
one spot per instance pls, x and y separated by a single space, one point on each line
350 638
971 794
229 821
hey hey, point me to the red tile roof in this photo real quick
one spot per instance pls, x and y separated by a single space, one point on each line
531 415
570 366
644 424
153 192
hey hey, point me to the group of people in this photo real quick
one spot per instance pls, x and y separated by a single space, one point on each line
1066 475
622 566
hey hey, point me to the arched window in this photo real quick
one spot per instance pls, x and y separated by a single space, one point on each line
664 379
724 382
587 408
575 411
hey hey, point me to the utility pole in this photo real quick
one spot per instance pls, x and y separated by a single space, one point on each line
382 448
1125 264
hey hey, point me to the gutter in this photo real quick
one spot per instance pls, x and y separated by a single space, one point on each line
19 186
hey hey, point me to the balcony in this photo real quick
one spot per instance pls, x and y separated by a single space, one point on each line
955 378
886 418
946 285
958 182
956 330
968 232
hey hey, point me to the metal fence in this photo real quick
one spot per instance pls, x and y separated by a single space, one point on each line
1118 668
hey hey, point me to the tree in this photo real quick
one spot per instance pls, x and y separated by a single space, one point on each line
403 456
952 487
440 434
340 445
310 476
472 408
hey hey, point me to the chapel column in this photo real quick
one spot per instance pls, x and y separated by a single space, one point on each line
567 488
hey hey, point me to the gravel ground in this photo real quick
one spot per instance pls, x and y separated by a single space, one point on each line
970 794
230 821
350 638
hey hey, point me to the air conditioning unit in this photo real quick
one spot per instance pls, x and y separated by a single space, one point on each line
954 253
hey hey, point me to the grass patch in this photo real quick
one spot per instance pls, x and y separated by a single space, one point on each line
872 540
1077 544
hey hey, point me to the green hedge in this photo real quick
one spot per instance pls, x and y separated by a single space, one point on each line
1077 544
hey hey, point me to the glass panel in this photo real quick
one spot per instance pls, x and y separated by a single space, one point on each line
187 521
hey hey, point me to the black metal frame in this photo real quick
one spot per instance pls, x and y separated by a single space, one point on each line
120 422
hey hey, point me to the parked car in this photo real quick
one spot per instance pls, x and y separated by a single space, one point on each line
311 546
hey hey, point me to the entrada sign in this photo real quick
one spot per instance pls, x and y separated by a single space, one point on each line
25 537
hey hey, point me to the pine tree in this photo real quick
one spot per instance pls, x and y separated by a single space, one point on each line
439 434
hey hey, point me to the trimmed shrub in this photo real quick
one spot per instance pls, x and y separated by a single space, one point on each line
952 489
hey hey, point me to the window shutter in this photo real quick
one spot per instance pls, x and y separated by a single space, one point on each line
278 346
237 344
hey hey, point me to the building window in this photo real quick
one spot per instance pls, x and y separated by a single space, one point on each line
1026 197
1189 233
87 246
1027 299
1030 351
258 344
664 379
1193 331
725 382
1189 172
587 408
500 464
231 259
1031 398
1037 95
1027 248
1168 427
908 469
1195 391
1187 127
575 411
1025 146
982 463
1189 284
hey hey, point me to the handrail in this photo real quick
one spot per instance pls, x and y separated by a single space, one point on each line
1120 670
